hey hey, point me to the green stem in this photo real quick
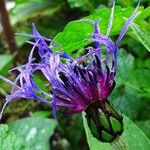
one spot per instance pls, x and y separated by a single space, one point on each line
118 144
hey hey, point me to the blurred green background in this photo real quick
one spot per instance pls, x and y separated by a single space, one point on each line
131 95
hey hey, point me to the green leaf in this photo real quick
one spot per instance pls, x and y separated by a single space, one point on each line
9 140
139 80
84 4
47 29
42 114
41 82
142 64
126 2
20 40
131 139
75 33
29 9
145 13
142 35
144 126
126 99
5 63
127 102
125 65
35 131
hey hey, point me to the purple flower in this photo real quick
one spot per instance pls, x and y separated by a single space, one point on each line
79 84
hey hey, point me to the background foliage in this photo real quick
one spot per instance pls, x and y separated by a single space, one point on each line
32 122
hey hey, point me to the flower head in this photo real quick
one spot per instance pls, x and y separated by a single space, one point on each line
77 84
